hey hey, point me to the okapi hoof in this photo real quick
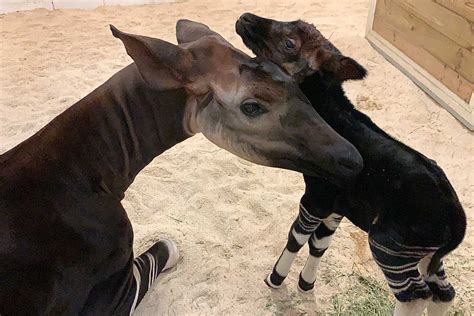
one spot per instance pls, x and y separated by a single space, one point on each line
305 287
274 281
173 253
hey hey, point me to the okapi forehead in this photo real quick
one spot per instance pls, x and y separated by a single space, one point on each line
266 81
312 38
308 31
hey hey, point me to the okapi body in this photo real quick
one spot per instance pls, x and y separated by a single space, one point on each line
401 198
65 239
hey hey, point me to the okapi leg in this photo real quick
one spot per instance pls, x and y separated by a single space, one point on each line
399 263
318 244
443 291
121 292
300 231
147 267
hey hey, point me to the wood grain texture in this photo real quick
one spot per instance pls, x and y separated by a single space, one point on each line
448 23
418 32
464 8
451 79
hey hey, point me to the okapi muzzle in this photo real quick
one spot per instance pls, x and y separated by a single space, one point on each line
254 31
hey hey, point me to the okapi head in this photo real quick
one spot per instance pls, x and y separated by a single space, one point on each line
298 47
251 108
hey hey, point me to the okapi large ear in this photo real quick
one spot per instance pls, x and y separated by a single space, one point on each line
343 68
189 31
162 65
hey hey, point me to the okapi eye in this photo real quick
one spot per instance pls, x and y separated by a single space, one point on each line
289 44
252 109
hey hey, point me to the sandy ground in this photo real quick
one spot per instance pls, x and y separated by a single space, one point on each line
229 217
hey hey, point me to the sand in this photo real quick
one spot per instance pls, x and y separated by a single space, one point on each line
229 217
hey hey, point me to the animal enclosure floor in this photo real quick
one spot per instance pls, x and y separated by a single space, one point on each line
229 217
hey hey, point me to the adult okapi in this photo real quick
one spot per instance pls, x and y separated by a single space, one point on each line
401 198
66 240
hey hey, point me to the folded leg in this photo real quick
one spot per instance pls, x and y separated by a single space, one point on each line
122 292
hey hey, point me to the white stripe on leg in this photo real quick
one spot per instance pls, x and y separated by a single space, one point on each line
284 263
150 273
332 221
310 269
423 265
137 278
301 239
322 243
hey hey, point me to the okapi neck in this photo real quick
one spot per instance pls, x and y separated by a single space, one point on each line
327 98
330 101
103 141
139 122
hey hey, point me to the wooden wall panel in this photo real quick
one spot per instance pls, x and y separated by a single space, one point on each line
464 8
432 42
450 78
448 23
420 33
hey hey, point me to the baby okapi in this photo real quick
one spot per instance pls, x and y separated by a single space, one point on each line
65 239
401 198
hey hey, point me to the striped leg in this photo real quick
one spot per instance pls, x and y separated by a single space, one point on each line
302 228
161 256
443 291
120 293
318 245
399 263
